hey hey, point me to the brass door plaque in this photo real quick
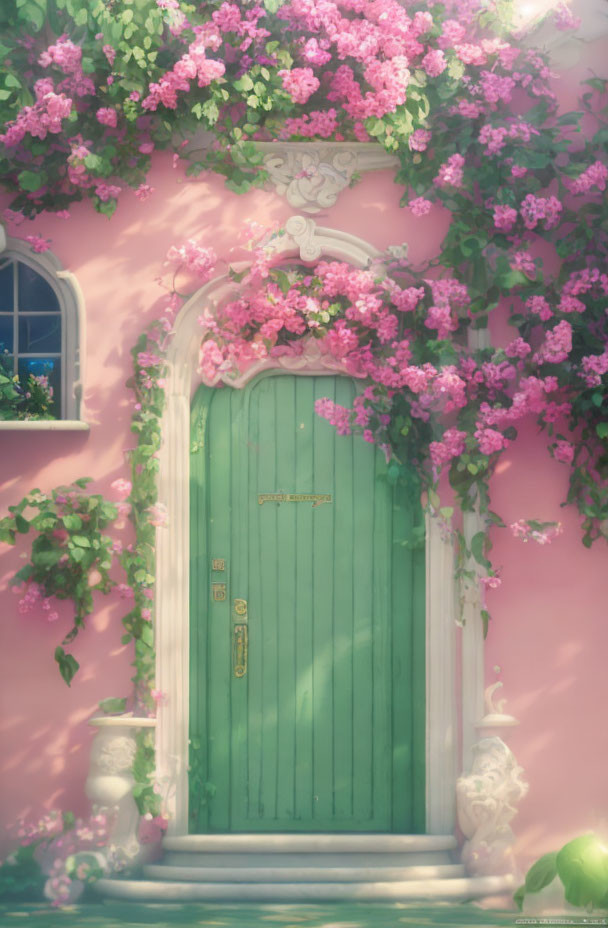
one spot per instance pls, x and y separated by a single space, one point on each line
317 499
240 607
218 563
218 591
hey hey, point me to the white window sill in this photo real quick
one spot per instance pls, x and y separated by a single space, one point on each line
44 425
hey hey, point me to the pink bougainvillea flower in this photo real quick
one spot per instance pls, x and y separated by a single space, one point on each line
38 243
563 451
157 515
122 487
107 116
420 207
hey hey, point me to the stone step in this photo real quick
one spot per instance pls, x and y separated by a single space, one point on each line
310 843
434 890
227 860
257 874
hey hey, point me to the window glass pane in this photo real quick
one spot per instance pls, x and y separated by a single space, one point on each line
6 333
34 294
7 365
43 367
6 288
39 334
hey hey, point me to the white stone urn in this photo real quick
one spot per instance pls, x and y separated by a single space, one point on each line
488 796
109 784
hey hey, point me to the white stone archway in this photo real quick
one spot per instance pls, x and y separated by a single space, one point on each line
310 242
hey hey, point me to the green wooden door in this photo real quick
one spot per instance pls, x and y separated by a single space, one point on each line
325 729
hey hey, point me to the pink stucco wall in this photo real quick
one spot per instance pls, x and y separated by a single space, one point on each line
548 634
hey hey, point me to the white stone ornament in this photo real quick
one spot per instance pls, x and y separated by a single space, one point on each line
487 801
487 798
109 784
311 175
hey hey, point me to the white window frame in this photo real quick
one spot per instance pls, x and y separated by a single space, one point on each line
71 305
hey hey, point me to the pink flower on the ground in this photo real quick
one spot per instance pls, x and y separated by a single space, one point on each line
110 53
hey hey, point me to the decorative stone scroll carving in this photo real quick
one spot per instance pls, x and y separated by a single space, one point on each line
109 784
311 175
487 798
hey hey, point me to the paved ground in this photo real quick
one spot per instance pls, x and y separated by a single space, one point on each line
338 915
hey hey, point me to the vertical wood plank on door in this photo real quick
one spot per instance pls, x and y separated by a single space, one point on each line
381 745
363 604
322 610
343 614
239 521
401 650
219 656
255 672
303 602
199 605
287 560
269 619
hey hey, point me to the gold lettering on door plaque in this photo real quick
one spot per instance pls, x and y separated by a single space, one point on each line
219 592
218 563
317 499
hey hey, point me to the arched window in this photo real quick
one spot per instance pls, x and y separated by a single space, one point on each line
39 336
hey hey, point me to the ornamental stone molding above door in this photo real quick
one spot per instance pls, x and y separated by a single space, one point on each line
312 175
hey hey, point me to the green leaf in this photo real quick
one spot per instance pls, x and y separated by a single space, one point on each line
68 665
273 5
81 540
72 522
602 429
22 525
243 84
518 897
478 543
541 873
582 866
113 706
28 180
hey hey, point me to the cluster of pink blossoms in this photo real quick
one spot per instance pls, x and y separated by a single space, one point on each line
528 530
299 83
194 257
536 209
594 176
46 115
34 595
451 173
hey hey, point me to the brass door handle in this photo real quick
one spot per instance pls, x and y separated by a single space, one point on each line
240 646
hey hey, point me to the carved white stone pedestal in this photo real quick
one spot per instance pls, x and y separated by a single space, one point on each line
109 784
487 797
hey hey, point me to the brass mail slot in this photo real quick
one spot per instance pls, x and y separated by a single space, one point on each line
218 591
315 498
